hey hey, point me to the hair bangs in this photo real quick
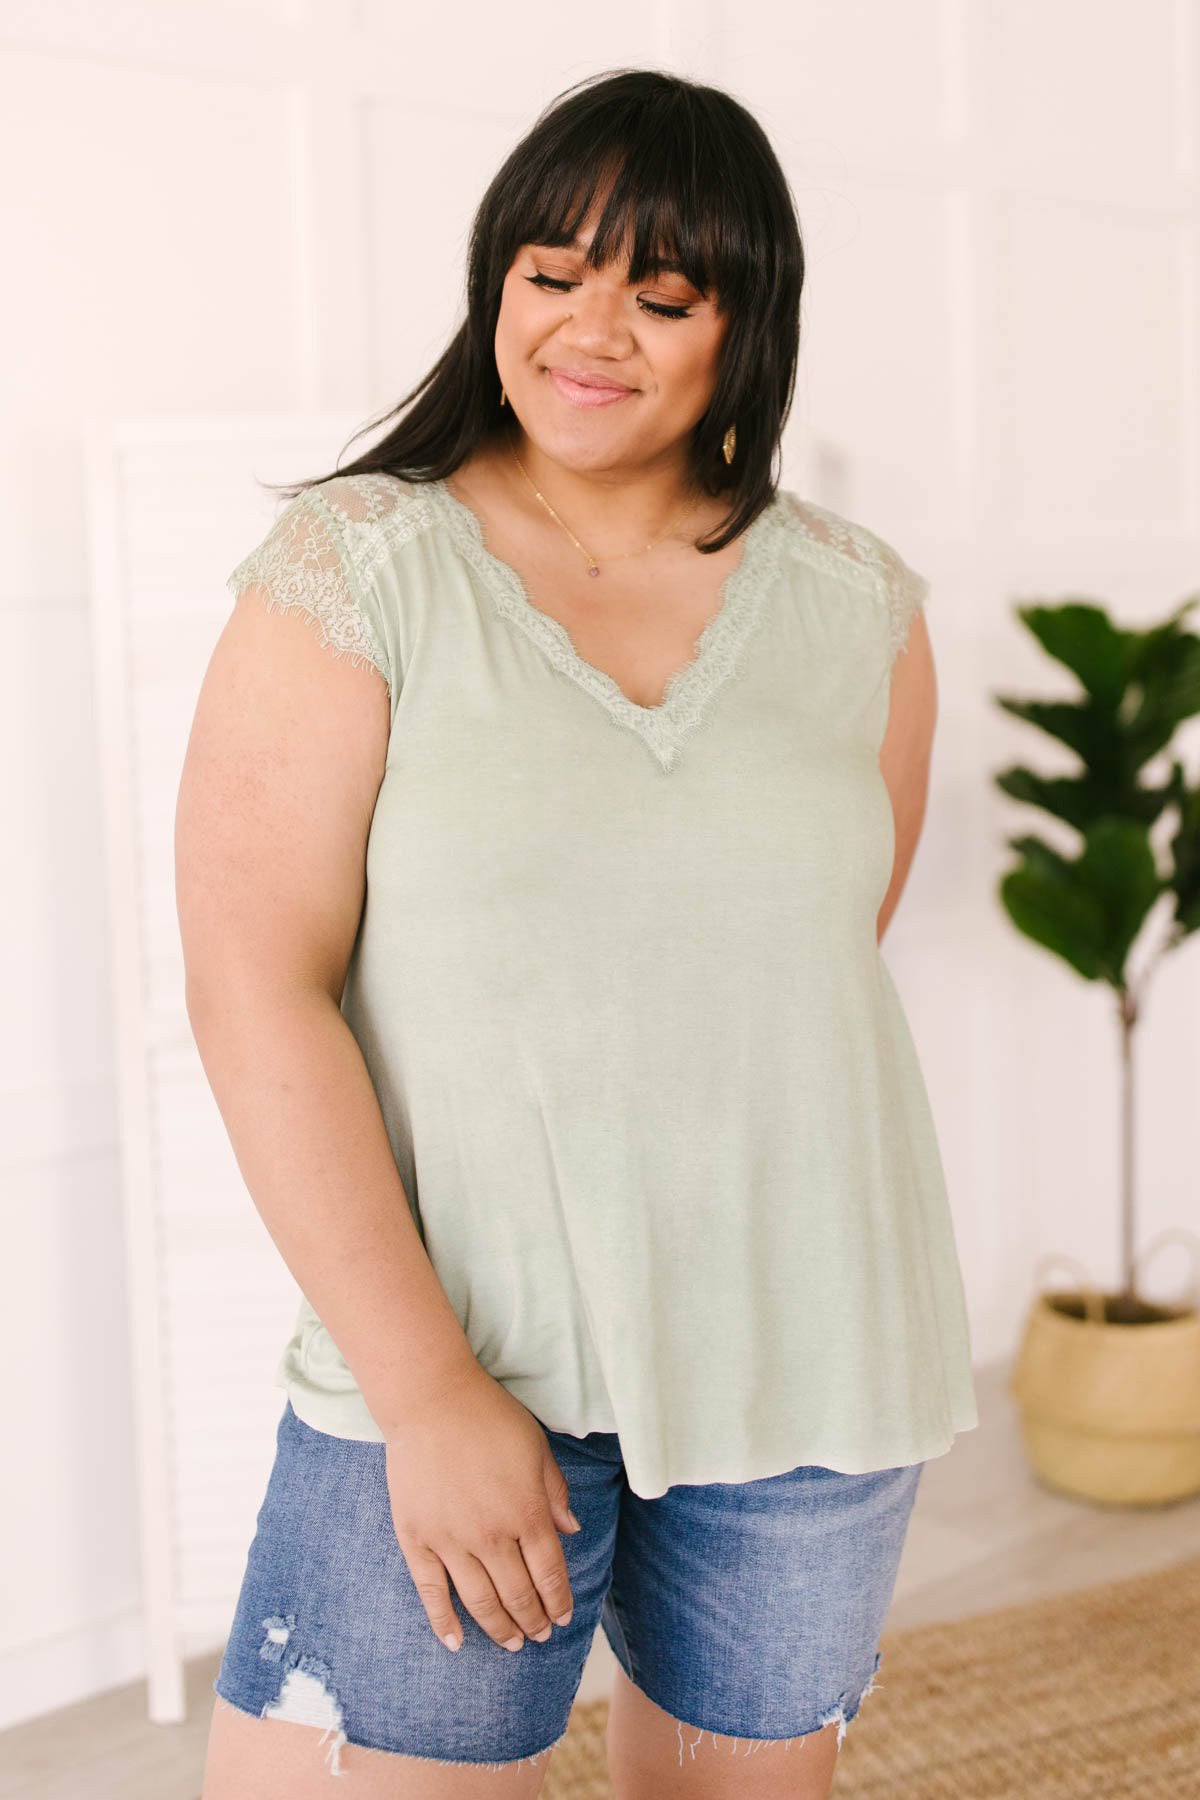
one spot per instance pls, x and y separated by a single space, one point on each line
661 212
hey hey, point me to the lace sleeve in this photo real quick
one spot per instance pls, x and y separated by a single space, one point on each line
303 565
837 541
907 593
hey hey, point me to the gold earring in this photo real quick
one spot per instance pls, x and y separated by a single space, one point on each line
729 443
502 396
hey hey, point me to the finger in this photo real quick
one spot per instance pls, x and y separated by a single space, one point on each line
518 1591
432 1584
477 1591
547 1565
557 1490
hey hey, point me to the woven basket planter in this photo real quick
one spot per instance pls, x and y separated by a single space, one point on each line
1111 1411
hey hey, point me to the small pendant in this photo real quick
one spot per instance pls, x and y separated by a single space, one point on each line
595 569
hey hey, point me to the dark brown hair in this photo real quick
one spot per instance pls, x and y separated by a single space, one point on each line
694 181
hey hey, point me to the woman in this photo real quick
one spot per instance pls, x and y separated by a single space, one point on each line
532 942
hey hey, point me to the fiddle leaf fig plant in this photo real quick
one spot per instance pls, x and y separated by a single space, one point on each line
1090 907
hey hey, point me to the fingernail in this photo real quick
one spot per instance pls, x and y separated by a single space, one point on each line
513 1643
574 1521
567 1617
451 1642
539 1637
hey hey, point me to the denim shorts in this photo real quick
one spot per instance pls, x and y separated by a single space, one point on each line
748 1610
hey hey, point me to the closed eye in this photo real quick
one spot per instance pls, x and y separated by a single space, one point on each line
562 287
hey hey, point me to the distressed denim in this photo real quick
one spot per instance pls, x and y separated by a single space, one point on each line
748 1610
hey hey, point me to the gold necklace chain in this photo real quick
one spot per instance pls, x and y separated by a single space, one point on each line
593 565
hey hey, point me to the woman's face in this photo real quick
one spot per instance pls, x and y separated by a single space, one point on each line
557 317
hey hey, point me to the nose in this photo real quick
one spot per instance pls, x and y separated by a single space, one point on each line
597 324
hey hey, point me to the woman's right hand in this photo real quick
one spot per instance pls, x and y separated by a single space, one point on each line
478 1497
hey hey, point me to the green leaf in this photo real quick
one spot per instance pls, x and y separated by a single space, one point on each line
1167 691
1087 910
1138 687
1082 726
1118 867
1081 800
1080 634
1057 917
1184 848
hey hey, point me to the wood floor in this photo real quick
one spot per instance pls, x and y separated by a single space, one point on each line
984 1533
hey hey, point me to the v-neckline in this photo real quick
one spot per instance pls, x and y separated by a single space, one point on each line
691 688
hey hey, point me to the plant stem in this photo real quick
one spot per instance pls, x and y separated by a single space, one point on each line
1127 1011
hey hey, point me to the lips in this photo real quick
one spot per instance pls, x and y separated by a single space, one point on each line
586 390
587 378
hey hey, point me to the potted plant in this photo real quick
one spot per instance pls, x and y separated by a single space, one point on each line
1108 1384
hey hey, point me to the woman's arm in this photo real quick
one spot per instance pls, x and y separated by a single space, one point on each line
283 765
906 752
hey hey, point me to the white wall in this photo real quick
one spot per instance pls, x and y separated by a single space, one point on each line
223 211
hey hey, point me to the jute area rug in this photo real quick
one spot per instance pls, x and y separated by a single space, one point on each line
1091 1693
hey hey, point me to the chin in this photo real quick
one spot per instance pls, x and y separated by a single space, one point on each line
583 444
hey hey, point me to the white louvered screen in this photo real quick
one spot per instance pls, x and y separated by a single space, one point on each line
172 508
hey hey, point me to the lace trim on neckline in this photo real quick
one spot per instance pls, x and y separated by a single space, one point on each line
691 687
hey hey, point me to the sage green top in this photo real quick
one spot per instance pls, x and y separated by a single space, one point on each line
646 1077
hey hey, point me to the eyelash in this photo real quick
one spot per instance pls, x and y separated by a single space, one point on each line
559 287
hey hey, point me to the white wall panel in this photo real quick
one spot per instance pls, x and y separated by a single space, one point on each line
1087 358
855 82
1087 88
